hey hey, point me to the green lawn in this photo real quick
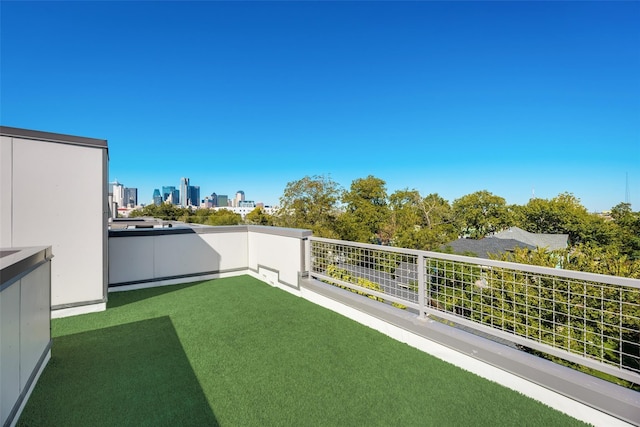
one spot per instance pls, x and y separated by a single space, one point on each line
237 352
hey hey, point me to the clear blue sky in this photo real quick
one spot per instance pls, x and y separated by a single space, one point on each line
443 97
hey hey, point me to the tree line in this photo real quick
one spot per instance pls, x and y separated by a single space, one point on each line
365 212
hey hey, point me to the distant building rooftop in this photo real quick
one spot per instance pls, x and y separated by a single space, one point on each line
548 241
507 241
484 247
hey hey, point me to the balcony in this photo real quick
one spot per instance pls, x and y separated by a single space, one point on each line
250 325
236 351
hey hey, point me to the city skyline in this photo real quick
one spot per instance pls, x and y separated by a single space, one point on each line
169 193
442 97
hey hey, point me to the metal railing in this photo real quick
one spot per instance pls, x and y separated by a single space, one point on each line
589 319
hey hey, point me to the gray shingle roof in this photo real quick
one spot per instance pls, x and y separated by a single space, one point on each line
547 241
489 245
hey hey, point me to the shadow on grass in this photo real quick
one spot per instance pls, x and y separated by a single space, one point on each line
128 375
118 299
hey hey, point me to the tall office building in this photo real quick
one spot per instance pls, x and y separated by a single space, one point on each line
239 198
184 195
166 191
223 200
170 194
193 198
214 199
117 190
130 197
157 197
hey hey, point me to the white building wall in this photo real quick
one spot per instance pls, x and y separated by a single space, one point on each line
36 168
6 183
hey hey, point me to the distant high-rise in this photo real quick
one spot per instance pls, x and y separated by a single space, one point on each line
193 198
223 200
130 197
207 202
166 191
170 194
184 195
214 199
239 198
117 190
157 197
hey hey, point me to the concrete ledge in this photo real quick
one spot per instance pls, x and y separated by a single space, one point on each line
188 228
16 263
298 233
580 395
76 310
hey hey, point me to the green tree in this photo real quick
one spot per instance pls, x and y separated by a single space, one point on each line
419 223
259 217
627 225
481 213
366 210
223 217
564 214
200 216
165 211
312 203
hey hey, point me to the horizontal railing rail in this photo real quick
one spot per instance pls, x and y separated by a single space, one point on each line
589 319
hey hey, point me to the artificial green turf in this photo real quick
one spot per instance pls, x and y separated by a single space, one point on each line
237 352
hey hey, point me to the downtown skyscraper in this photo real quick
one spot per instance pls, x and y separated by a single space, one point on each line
184 195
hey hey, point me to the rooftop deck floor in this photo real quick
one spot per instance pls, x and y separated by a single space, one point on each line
237 352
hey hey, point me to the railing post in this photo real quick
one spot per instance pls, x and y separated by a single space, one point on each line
421 286
306 256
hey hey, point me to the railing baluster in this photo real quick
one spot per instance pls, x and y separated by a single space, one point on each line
420 272
525 304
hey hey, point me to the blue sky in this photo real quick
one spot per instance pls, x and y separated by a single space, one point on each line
442 97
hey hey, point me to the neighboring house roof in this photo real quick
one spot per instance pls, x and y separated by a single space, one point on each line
489 245
548 241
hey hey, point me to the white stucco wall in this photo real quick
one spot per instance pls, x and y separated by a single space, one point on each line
278 253
139 258
40 179
155 257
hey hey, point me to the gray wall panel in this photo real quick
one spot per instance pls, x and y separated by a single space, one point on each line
57 201
9 349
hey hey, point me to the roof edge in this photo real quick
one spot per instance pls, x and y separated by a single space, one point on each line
52 137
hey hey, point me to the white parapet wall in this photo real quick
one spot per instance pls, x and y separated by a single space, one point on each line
25 325
161 256
277 255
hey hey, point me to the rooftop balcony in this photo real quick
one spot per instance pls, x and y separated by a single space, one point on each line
256 330
236 351
224 346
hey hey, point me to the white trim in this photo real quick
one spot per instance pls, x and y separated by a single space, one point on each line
82 309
